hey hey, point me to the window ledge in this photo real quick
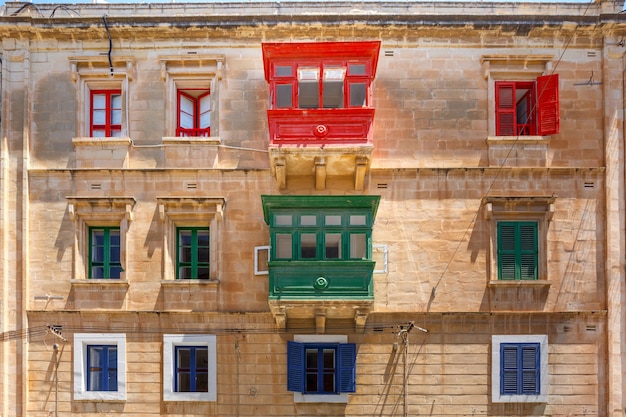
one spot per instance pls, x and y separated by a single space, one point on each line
519 139
107 282
194 282
90 141
520 283
192 140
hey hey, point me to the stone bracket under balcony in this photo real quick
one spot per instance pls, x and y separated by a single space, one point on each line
321 312
320 163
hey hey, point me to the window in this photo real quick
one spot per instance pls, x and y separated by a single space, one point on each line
326 235
192 227
320 84
102 368
194 113
193 253
100 236
105 250
527 108
192 89
102 85
321 368
189 368
99 366
106 113
518 228
519 368
517 251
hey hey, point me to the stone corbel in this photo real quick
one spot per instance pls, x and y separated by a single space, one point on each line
281 173
550 212
488 211
320 321
359 173
219 71
360 317
219 212
128 213
163 70
162 212
71 210
320 173
74 71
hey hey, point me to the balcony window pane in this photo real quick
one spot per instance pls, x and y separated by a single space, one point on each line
282 220
283 246
308 95
308 220
284 94
356 69
358 220
357 94
284 71
332 220
333 245
308 243
357 246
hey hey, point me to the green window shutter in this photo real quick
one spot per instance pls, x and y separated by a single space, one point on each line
517 250
193 253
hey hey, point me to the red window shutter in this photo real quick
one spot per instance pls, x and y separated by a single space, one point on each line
548 104
505 109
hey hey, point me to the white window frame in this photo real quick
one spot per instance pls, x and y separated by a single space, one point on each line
81 341
298 397
170 342
496 341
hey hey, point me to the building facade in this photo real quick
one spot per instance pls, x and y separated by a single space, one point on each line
333 209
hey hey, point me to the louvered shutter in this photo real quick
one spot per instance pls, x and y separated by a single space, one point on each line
548 121
295 366
346 367
528 252
508 369
505 109
530 369
506 251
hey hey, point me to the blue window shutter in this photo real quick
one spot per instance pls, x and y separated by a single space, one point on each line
530 369
295 366
346 367
519 369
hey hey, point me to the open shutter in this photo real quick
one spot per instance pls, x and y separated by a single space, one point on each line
548 122
506 251
508 369
530 369
204 112
295 366
346 367
505 109
528 251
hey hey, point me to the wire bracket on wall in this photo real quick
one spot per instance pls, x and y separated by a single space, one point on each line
590 81
57 331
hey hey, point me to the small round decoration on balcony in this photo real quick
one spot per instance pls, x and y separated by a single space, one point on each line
320 131
320 283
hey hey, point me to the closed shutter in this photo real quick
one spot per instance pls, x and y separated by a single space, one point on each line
519 369
347 367
548 104
505 109
518 250
295 366
528 251
506 251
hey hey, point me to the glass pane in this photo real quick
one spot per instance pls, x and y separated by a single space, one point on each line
99 117
357 246
308 95
115 272
329 382
98 133
116 117
283 71
185 254
203 273
97 272
116 101
97 254
114 255
282 220
308 74
184 384
356 69
332 220
99 101
205 112
333 246
284 94
187 112
308 220
184 272
183 358
358 220
186 121
334 74
114 235
203 255
357 94
202 359
184 237
203 238
333 94
283 246
311 382
329 358
308 244
202 383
